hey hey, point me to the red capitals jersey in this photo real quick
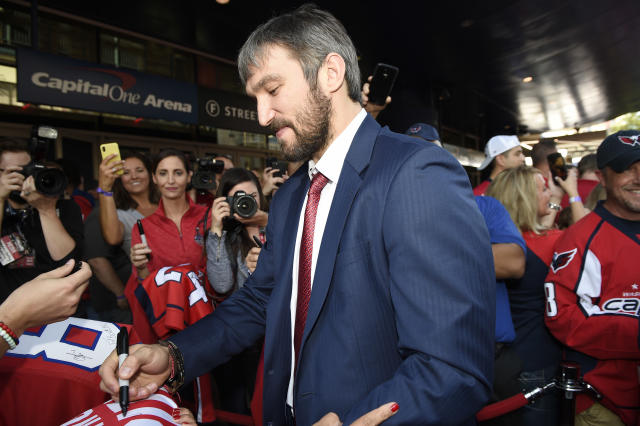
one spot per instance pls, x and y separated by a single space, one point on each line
159 409
167 301
53 373
593 307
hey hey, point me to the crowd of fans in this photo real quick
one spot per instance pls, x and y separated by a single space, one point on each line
164 255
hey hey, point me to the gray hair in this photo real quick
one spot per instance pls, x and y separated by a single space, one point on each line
310 34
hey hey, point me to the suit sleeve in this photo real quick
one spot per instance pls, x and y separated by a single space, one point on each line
442 287
237 323
575 313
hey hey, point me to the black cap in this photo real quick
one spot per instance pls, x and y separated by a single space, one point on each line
619 150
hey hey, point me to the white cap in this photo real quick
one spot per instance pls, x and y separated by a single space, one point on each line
496 146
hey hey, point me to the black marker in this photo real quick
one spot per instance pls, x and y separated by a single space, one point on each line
258 242
143 238
122 349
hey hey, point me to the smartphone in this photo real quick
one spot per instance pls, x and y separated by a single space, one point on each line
107 149
275 164
381 84
557 165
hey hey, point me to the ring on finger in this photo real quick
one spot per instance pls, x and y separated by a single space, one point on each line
113 170
27 193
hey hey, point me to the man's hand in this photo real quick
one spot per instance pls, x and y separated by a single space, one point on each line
252 258
147 367
372 418
50 297
40 202
10 180
373 109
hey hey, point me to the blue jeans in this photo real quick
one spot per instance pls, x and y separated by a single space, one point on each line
544 411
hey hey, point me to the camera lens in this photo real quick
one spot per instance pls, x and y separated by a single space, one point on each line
245 206
51 182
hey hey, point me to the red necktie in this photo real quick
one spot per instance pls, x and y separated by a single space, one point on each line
306 252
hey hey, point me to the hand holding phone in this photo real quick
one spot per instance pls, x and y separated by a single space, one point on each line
107 149
557 165
384 76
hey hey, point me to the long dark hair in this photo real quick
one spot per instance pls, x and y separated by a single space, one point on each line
122 198
238 239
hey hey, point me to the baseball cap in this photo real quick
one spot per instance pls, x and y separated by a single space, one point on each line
619 150
496 146
424 131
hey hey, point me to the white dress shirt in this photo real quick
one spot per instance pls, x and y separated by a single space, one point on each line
330 165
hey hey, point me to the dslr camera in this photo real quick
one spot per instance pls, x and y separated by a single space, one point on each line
48 181
206 171
243 204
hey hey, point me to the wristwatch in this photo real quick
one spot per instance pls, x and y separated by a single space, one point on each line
176 377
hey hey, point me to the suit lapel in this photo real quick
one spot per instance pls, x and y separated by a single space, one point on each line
348 185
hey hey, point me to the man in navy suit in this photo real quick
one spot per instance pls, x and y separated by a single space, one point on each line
397 258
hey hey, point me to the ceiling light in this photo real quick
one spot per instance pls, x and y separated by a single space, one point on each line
526 145
527 79
222 1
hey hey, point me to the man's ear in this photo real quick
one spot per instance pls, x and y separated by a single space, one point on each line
332 72
601 178
499 159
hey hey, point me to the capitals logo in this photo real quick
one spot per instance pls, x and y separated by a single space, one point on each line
562 260
630 140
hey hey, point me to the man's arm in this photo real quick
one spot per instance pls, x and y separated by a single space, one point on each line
442 287
237 323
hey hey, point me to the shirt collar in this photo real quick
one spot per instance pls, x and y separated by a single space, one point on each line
330 164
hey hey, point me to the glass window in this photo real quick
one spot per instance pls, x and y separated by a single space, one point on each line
15 27
69 39
158 59
218 76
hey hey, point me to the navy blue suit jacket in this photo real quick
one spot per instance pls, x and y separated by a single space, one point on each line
403 301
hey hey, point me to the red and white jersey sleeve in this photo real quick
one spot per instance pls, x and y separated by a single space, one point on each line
53 373
159 409
593 306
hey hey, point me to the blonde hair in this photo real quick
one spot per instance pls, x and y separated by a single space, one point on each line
516 189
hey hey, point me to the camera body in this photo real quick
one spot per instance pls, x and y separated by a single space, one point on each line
205 175
48 180
243 204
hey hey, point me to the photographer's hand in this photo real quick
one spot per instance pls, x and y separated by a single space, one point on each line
259 219
219 210
10 180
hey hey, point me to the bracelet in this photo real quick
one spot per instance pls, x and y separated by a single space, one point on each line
176 377
575 199
12 343
103 192
554 206
9 331
121 297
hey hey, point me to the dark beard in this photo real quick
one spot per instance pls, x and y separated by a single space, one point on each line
312 135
